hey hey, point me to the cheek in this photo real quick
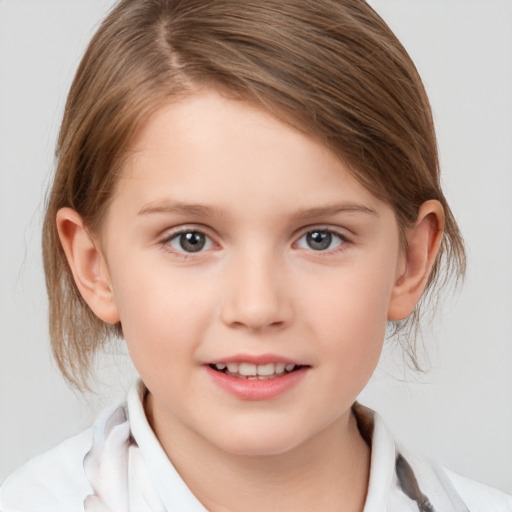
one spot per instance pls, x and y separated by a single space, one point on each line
349 320
163 314
351 302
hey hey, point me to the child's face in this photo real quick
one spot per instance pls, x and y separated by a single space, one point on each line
288 260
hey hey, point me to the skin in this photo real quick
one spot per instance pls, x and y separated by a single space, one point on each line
257 287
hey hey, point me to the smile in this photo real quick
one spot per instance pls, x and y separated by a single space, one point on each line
252 371
256 378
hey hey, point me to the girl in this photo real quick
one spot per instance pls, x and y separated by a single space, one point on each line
247 193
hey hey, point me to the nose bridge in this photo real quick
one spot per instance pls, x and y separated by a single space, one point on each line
257 296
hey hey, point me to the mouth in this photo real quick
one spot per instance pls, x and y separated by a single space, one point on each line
256 377
250 371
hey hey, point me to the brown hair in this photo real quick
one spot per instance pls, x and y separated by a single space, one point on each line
331 68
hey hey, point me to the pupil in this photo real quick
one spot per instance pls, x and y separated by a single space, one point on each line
192 242
319 240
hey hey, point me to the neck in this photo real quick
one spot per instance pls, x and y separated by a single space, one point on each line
329 472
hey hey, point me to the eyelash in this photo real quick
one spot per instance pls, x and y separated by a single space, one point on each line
185 255
166 243
332 233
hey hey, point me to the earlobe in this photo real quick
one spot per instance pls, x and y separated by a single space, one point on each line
87 265
423 241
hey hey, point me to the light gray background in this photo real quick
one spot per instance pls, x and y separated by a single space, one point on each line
460 412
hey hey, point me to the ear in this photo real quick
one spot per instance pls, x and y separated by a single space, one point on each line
87 265
423 241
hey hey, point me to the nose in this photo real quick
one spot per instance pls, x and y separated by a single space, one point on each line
257 296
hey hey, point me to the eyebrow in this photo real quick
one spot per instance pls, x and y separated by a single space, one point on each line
201 210
178 208
329 210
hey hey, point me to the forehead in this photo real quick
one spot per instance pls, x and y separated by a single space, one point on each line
230 154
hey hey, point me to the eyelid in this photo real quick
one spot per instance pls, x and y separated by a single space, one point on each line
338 232
186 228
343 233
172 233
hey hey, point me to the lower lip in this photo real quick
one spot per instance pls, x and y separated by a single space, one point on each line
256 389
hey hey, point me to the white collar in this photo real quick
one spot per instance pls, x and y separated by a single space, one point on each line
383 455
384 489
173 491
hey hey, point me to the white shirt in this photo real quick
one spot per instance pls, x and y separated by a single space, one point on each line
118 465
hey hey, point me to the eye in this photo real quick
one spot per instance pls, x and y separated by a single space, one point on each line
320 240
189 241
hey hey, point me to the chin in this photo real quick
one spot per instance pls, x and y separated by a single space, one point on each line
258 442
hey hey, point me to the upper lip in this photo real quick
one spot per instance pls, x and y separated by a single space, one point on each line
255 359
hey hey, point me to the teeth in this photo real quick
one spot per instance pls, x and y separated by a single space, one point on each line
233 367
247 369
280 368
266 369
252 371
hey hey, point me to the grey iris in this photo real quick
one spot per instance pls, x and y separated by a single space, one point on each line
319 240
192 242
